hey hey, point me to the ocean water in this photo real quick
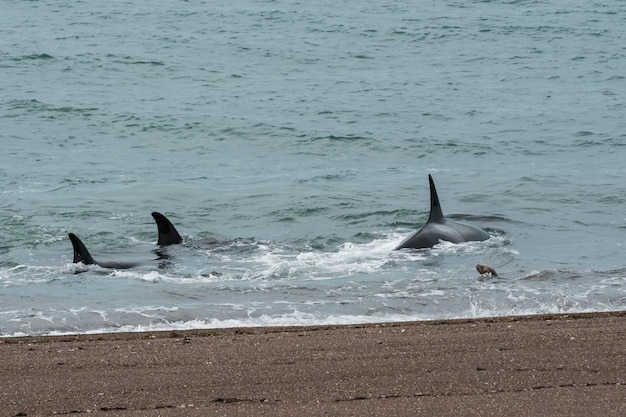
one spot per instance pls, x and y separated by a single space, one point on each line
290 143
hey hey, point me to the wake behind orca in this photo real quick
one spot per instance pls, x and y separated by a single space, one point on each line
438 228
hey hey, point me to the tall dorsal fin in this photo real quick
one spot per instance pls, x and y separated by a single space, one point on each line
436 215
81 254
168 235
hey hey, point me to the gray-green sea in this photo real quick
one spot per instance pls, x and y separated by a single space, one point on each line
290 143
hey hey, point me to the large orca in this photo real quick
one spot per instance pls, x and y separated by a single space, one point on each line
81 254
438 228
168 235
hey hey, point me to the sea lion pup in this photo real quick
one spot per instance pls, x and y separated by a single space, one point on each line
486 270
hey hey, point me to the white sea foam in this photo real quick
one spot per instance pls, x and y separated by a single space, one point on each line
297 318
151 276
349 258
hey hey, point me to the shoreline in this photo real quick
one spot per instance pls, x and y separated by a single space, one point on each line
554 364
214 331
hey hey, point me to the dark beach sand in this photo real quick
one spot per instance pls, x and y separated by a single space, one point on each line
560 365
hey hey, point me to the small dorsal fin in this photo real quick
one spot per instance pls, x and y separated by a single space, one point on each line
81 254
436 215
168 235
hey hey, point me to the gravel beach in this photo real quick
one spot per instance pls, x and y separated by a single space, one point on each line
556 365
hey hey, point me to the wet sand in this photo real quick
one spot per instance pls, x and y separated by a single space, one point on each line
557 365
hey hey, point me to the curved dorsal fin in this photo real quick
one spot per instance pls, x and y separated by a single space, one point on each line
81 254
168 235
436 215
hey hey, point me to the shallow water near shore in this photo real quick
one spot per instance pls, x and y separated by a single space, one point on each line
291 144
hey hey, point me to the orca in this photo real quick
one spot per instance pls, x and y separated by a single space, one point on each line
81 254
168 235
438 228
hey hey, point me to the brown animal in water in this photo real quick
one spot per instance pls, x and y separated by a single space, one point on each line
486 270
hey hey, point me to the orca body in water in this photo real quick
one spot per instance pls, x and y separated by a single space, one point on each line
438 228
168 235
81 254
